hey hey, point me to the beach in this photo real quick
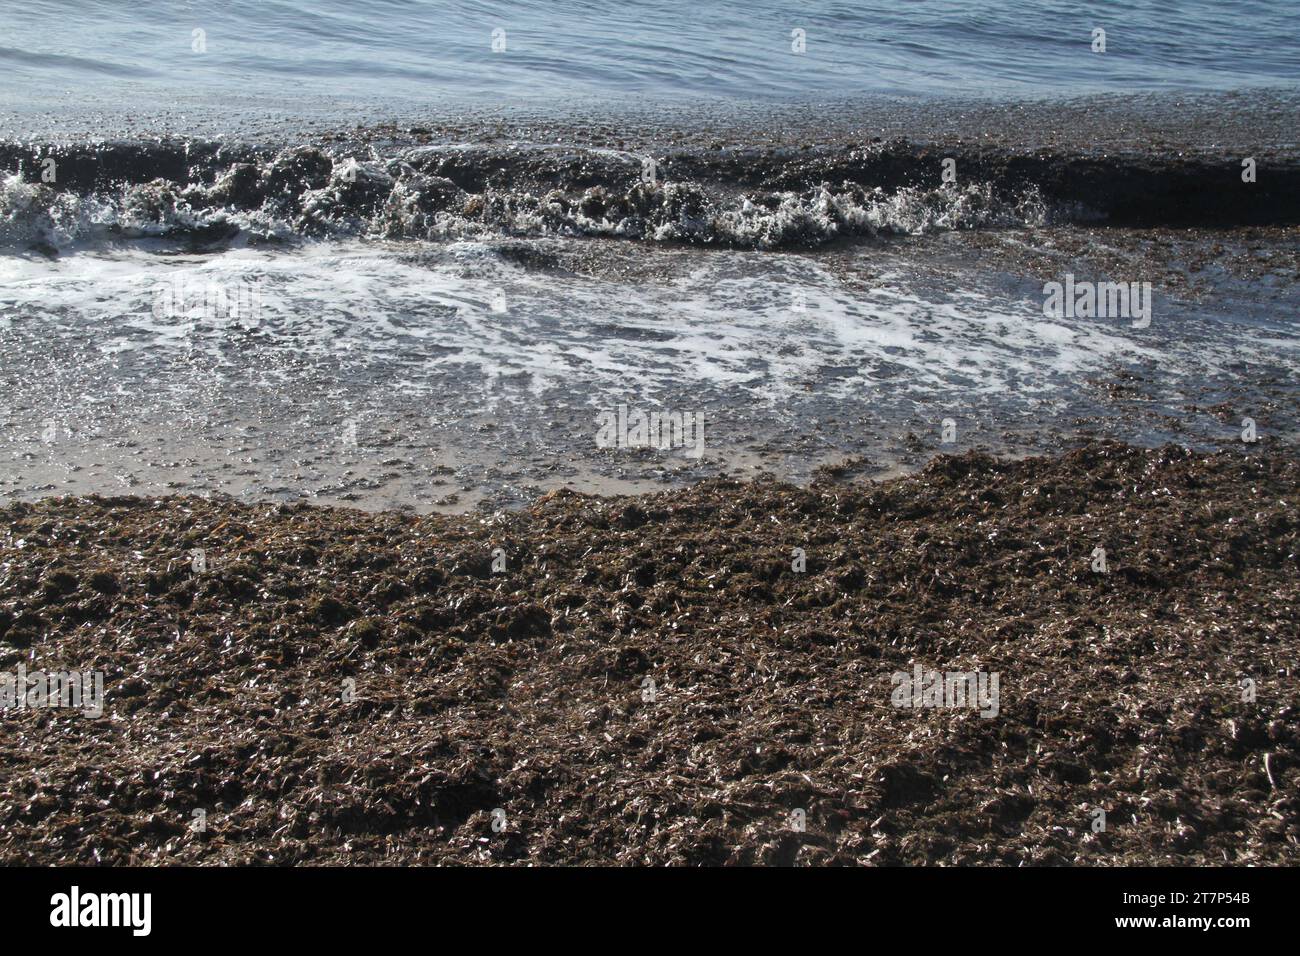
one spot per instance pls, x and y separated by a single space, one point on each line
852 436
653 680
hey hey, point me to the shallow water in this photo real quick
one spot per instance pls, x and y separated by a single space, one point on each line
437 375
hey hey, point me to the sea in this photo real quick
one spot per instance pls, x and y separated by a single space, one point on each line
412 255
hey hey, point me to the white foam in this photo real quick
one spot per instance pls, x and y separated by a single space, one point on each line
731 322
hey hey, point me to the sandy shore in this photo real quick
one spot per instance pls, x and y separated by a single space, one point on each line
666 680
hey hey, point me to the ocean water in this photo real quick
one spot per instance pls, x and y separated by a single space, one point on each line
85 54
427 271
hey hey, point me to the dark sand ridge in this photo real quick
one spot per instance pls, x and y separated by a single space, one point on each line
525 691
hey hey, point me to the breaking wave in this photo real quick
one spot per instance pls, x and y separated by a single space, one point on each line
208 193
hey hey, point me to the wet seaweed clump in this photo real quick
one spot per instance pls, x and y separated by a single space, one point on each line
716 675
